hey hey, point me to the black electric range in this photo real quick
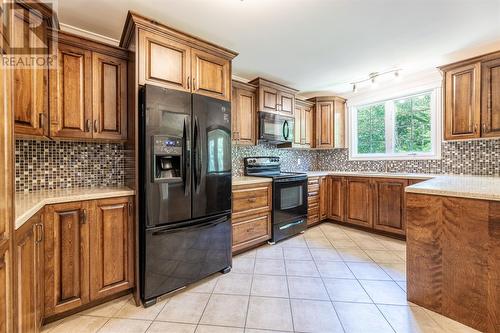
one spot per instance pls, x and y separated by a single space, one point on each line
289 214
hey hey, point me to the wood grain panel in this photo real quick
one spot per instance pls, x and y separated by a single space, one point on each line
251 199
243 114
339 139
490 108
324 125
251 230
211 75
163 62
389 205
109 93
323 198
269 99
452 258
5 287
30 95
336 198
299 126
463 102
71 93
66 257
286 103
111 258
359 201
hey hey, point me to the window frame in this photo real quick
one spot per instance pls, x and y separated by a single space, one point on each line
390 114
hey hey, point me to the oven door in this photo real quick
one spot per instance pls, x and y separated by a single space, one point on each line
274 128
289 199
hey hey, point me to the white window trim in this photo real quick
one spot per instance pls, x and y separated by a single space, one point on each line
436 129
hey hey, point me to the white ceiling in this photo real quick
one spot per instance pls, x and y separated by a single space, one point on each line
314 45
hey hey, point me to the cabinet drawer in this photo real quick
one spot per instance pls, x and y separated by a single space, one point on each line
312 219
251 199
313 189
313 181
313 200
250 231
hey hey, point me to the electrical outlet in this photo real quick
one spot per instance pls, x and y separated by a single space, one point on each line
298 161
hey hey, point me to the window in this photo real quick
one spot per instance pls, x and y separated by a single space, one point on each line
400 128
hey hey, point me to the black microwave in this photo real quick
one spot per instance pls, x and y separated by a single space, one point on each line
274 128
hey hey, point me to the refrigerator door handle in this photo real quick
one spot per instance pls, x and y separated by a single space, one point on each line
184 157
197 153
191 227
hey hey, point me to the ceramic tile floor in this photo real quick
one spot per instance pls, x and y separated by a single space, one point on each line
330 279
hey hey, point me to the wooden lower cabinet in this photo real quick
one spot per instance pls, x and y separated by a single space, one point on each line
5 287
88 252
389 205
359 201
251 230
66 257
336 198
28 249
313 201
111 248
323 198
251 218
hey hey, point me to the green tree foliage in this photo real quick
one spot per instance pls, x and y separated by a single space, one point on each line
413 124
371 129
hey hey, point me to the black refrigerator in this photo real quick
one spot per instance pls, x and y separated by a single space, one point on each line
185 189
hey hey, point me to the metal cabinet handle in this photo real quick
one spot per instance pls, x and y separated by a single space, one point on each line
194 83
41 120
484 128
252 199
87 125
96 126
189 82
475 128
38 233
130 205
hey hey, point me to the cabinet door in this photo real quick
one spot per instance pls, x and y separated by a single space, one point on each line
463 102
324 125
389 205
308 127
28 246
5 288
359 203
490 116
323 198
163 62
109 93
251 230
268 99
339 124
286 103
336 198
71 93
66 257
246 117
211 75
297 131
30 94
111 247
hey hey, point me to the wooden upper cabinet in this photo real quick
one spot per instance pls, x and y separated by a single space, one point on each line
163 62
71 93
336 198
211 75
28 249
66 257
463 102
358 201
324 124
389 205
339 132
109 97
274 97
111 247
303 131
243 114
30 94
490 113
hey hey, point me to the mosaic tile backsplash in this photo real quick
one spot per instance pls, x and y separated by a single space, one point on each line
44 165
474 157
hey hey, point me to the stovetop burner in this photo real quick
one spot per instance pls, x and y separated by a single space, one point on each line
266 166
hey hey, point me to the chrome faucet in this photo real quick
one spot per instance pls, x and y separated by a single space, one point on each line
386 167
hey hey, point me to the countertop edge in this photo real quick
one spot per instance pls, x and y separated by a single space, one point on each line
30 212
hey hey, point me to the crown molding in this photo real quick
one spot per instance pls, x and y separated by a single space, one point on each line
88 34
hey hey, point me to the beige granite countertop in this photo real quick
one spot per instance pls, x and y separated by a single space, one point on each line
462 186
372 174
246 180
29 203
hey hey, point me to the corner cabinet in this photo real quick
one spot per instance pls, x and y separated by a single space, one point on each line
303 135
168 58
472 98
274 98
329 122
243 114
88 90
389 205
88 252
